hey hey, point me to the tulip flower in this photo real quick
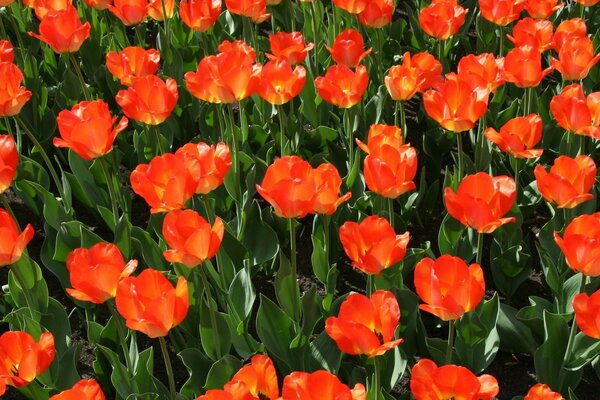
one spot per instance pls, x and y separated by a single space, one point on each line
484 68
501 12
542 9
9 161
366 325
289 47
45 7
22 359
256 10
457 104
96 272
319 385
533 32
155 9
518 136
430 382
587 309
442 18
566 30
289 186
63 31
5 3
130 12
448 286
417 73
279 83
348 48
587 3
13 96
341 86
165 183
13 243
259 377
200 15
207 165
7 52
541 391
191 239
236 390
150 304
569 181
85 389
351 6
481 201
579 244
244 53
523 67
88 129
377 13
372 245
380 134
99 4
149 99
576 113
132 62
389 170
328 183
429 68
575 58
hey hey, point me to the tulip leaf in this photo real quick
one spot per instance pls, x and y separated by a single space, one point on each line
32 282
210 335
515 336
286 287
276 330
585 349
198 366
241 295
437 349
324 354
319 262
258 237
221 372
393 367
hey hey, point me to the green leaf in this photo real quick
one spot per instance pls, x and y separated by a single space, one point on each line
241 296
221 372
198 366
276 330
210 335
584 350
286 287
515 336
259 238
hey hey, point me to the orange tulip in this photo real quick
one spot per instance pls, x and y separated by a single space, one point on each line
417 73
501 12
13 96
155 9
442 18
390 169
319 385
484 68
523 66
481 201
579 244
165 183
289 186
132 62
85 389
191 239
4 3
569 182
130 12
200 15
99 4
457 104
575 58
377 14
351 6
259 377
587 3
328 183
149 99
533 32
7 52
88 129
587 309
63 31
150 304
289 46
22 359
341 86
518 136
45 7
9 161
568 28
542 9
576 113
540 391
256 10
379 135
279 83
348 48
96 272
208 165
244 53
430 382
448 286
373 245
236 390
13 243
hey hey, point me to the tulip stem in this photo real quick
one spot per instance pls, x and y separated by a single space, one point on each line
517 167
313 14
450 342
168 366
390 204
138 35
211 311
210 213
79 74
460 155
335 22
501 42
479 256
111 190
292 13
348 125
17 32
572 334
21 281
293 248
400 112
376 380
121 334
3 29
282 138
236 169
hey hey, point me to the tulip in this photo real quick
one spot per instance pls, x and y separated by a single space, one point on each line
373 245
13 243
243 52
501 12
575 58
442 19
99 4
430 382
579 244
63 31
200 15
566 30
348 48
569 181
45 7
587 309
13 96
207 165
279 83
523 67
6 3
319 385
236 390
22 359
155 9
289 186
377 14
366 325
542 9
259 377
7 52
351 6
380 134
96 272
533 32
576 113
417 73
149 99
448 286
132 62
88 129
390 170
130 12
328 183
541 391
256 10
341 86
191 239
9 161
587 3
518 136
289 47
150 304
165 183
85 389
481 201
484 68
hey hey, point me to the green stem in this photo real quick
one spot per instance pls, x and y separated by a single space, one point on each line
293 15
293 250
3 29
391 210
450 342
400 108
335 19
313 14
121 334
79 74
376 379
168 366
111 190
138 35
480 144
236 168
158 135
479 257
21 281
282 139
460 155
211 311
501 42
528 99
572 334
517 165
348 125
326 223
17 32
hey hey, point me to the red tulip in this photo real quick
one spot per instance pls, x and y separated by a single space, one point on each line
85 389
256 10
540 391
13 96
130 12
327 183
518 136
63 31
200 15
155 9
7 52
279 83
579 244
319 385
523 67
567 29
289 47
587 310
99 4
207 165
13 243
484 68
351 6
416 74
132 62
576 113
542 9
9 161
259 377
442 18
149 99
533 32
348 48
501 12
341 86
575 58
45 7
377 14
